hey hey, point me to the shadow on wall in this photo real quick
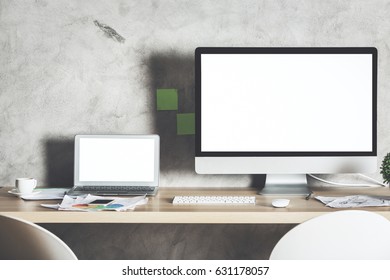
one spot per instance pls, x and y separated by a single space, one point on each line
172 70
169 70
59 162
177 152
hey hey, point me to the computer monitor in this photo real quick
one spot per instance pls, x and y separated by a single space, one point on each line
285 112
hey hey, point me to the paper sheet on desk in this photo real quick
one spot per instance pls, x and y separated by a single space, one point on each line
353 201
81 203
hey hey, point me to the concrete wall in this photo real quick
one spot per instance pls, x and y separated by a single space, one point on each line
62 75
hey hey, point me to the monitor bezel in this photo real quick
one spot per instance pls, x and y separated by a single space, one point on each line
283 50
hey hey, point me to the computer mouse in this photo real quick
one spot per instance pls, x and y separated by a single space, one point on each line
280 202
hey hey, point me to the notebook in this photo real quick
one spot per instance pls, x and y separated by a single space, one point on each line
116 165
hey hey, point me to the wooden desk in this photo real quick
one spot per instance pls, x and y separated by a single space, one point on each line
160 210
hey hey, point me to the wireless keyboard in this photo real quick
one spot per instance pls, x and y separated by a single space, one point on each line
214 200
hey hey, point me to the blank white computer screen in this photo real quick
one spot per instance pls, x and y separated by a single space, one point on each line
116 160
286 103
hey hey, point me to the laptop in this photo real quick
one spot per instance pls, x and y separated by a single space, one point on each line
116 165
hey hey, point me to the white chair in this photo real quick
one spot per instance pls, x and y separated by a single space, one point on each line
340 235
23 240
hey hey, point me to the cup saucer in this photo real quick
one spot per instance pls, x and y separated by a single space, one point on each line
16 193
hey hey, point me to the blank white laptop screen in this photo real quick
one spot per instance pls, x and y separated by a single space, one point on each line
116 160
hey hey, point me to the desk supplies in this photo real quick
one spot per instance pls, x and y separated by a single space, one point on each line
309 195
354 201
17 193
25 185
41 194
280 203
214 200
116 165
84 203
160 209
167 99
185 124
103 202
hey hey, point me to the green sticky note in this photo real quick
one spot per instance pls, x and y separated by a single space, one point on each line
186 124
167 99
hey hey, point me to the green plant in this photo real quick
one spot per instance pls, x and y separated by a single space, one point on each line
385 169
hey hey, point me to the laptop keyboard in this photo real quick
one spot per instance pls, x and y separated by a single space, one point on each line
113 190
116 188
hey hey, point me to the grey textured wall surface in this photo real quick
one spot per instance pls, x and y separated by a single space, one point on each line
62 75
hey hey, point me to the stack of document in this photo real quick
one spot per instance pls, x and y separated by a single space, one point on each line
86 203
354 201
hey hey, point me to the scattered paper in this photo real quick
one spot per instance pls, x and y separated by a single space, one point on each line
52 206
353 201
82 203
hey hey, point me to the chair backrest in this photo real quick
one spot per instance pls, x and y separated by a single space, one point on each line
344 234
23 240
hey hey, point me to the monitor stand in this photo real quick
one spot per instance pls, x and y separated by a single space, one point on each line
285 184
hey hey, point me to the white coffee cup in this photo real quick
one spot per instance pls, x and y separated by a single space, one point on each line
25 185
